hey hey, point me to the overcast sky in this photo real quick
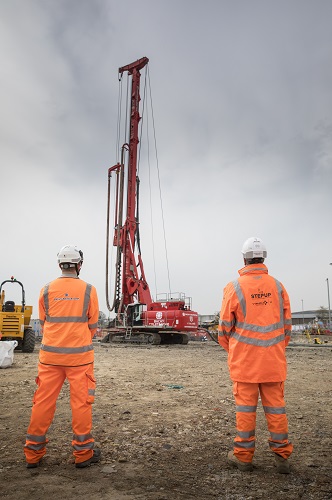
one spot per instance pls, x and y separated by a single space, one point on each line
242 105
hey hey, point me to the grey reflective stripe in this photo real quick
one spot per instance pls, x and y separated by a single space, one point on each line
240 297
93 326
41 322
260 329
86 299
272 444
85 446
226 324
274 410
68 319
35 447
281 303
245 409
91 392
46 301
82 437
254 269
223 334
37 439
66 350
258 342
246 434
278 437
288 321
244 444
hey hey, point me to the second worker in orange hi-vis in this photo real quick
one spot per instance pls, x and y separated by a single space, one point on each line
254 328
68 313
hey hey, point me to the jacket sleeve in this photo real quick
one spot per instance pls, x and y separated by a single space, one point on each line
287 315
93 311
227 318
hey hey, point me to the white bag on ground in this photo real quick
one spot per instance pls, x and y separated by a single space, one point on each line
7 352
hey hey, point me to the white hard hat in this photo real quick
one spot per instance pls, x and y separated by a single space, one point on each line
254 248
70 254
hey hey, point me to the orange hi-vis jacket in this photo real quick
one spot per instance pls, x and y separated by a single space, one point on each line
255 326
68 313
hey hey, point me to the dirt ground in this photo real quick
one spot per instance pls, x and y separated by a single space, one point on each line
164 418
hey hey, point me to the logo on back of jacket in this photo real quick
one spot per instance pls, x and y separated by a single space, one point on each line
66 297
261 295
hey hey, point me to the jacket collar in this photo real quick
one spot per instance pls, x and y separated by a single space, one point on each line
253 269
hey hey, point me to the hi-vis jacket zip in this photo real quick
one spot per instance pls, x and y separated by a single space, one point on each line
68 312
255 326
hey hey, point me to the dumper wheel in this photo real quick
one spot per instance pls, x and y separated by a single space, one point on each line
29 341
19 345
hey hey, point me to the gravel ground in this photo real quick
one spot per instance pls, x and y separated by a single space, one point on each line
164 418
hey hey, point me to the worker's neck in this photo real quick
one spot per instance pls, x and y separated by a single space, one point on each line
68 274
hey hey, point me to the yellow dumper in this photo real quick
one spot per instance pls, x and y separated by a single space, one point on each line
15 320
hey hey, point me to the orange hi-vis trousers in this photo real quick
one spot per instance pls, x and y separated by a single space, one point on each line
246 399
82 387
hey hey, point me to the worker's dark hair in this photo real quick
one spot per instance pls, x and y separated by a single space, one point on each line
256 260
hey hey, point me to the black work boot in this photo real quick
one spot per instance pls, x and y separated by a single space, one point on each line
94 459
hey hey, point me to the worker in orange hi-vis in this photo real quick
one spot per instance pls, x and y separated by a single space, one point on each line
68 313
254 328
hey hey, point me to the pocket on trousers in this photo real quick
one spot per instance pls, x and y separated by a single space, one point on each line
91 385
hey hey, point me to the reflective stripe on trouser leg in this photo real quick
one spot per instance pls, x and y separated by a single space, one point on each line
246 397
82 385
272 396
49 381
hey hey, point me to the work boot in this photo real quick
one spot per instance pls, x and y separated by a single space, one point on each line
94 459
33 465
242 466
282 464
